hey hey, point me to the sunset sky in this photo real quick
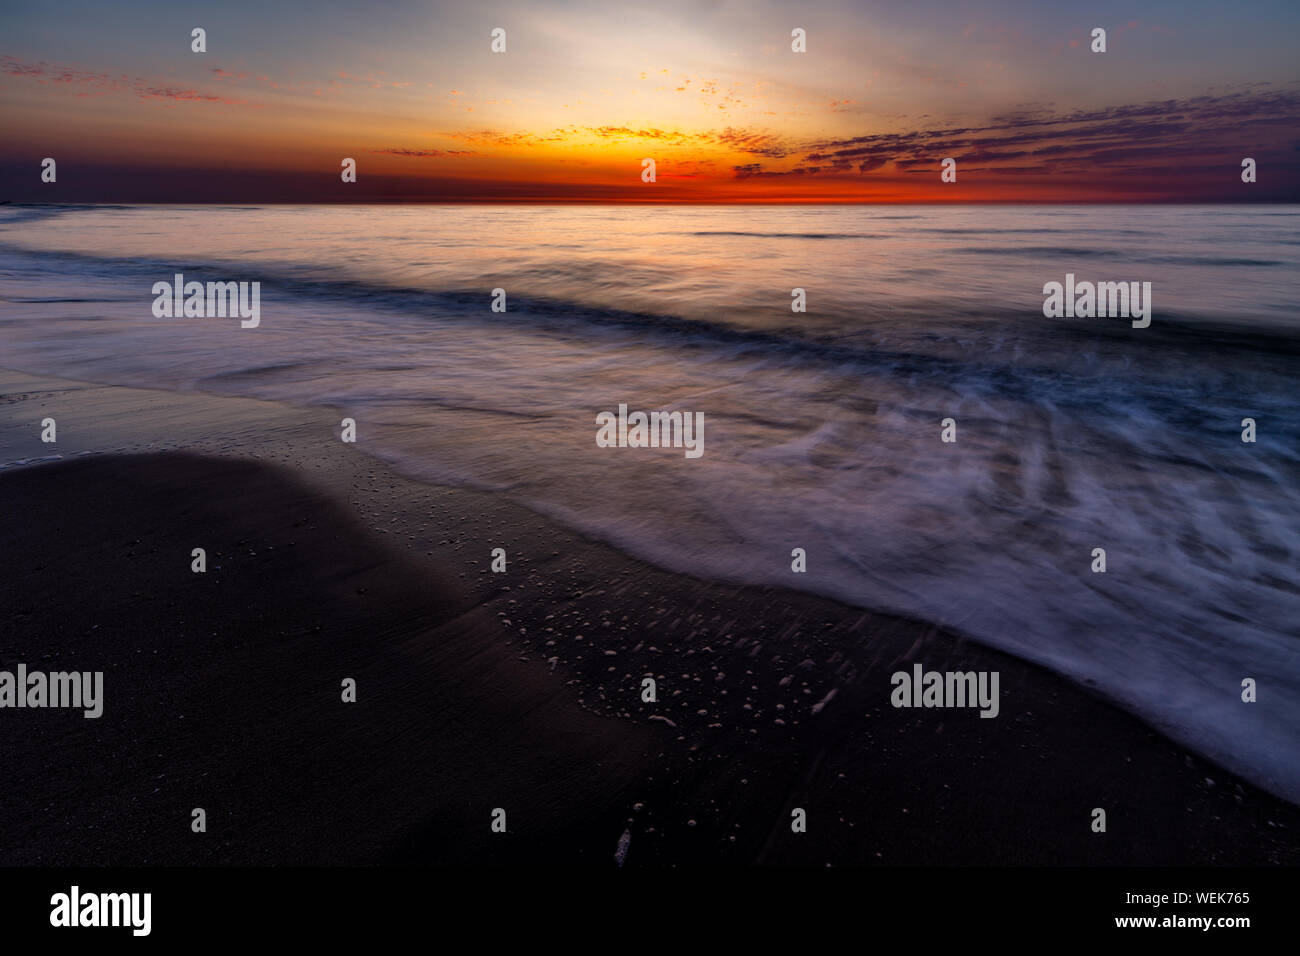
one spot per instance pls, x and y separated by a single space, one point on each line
710 90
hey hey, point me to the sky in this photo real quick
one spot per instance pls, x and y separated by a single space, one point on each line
711 91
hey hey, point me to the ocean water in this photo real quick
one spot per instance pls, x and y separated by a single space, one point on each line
822 429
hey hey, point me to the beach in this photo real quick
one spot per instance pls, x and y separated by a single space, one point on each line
519 690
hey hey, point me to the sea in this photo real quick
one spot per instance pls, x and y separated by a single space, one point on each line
823 428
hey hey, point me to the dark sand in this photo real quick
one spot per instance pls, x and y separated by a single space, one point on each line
517 690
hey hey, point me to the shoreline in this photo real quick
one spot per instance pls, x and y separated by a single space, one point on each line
479 705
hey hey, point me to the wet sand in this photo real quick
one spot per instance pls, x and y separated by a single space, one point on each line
477 691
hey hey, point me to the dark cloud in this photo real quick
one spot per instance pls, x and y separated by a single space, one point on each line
1164 137
395 151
